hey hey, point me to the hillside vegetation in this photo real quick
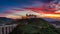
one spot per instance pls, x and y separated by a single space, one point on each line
34 26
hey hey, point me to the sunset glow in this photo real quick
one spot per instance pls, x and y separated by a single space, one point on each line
41 14
45 10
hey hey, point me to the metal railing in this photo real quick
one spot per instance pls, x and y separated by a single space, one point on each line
5 29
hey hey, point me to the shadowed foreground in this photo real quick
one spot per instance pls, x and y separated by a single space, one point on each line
34 26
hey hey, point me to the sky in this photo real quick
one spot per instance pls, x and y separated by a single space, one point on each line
8 4
8 7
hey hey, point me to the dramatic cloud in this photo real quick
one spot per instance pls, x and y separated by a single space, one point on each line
18 8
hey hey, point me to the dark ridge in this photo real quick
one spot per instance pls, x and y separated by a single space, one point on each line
4 20
34 26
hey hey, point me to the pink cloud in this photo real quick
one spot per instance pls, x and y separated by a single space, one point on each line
2 15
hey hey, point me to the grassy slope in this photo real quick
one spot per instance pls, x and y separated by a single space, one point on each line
33 26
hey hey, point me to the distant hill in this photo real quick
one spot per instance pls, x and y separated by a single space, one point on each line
5 20
55 22
34 26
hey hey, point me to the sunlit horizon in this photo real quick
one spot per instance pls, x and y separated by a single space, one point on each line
17 14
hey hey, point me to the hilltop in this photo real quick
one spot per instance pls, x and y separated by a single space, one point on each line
34 26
